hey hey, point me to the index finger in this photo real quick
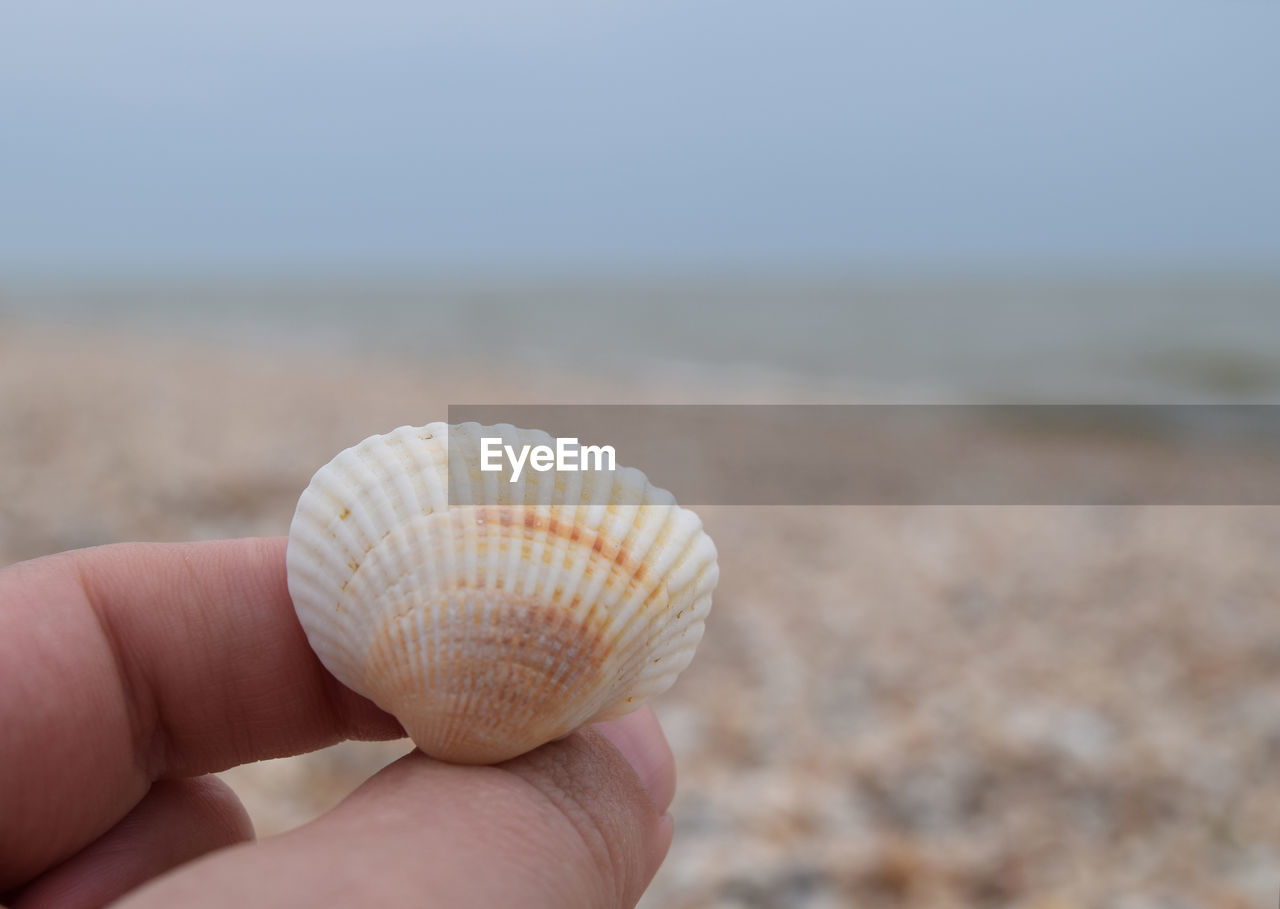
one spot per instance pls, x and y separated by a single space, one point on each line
124 664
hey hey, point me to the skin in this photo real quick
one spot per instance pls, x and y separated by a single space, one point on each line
128 673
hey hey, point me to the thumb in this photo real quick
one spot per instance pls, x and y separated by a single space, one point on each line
575 823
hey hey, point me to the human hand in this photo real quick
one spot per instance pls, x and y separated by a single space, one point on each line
130 672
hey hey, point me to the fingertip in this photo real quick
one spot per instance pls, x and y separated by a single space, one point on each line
638 737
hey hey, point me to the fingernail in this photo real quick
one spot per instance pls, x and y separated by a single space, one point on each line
640 740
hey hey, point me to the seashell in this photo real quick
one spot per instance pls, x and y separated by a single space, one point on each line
508 618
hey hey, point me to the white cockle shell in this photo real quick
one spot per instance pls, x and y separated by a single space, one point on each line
490 617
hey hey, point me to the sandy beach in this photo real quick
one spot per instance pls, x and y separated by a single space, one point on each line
923 706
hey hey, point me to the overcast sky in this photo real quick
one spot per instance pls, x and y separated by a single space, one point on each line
588 133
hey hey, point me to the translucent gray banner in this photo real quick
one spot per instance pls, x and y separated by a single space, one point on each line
894 454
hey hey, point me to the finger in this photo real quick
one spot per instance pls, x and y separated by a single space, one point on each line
177 821
568 825
124 664
640 740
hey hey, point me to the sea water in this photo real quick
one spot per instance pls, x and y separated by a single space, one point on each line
1074 339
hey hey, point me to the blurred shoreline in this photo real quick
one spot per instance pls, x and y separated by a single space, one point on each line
931 338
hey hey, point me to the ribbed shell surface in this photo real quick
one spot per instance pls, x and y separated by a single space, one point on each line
508 618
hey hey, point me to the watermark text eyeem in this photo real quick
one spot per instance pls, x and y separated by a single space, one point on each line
566 455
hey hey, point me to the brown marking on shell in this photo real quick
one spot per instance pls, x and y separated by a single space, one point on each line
638 572
537 525
499 687
622 565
